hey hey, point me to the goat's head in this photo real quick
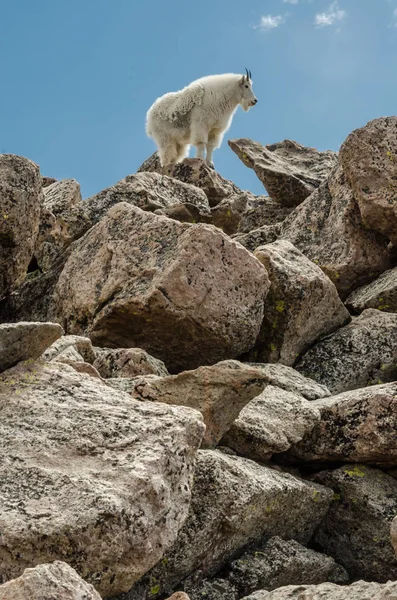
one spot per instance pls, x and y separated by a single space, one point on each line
248 98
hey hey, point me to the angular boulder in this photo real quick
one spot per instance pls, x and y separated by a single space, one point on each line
327 228
290 172
360 590
271 423
262 211
281 562
361 353
21 197
356 426
55 581
369 159
302 305
150 192
186 294
218 392
235 501
80 344
63 219
258 237
356 529
127 362
24 341
90 476
380 294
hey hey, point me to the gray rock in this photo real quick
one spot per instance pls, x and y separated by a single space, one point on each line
82 345
301 307
327 228
359 354
290 172
200 588
186 294
218 392
151 192
380 294
258 237
356 529
21 197
280 562
356 426
369 159
55 581
90 476
127 362
272 422
24 341
63 219
235 501
228 213
262 211
360 590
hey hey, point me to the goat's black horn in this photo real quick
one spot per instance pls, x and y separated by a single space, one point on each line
246 70
249 72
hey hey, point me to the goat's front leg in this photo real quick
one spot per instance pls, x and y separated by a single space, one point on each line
200 150
214 141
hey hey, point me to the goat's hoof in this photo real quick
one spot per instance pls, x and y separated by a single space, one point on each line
211 165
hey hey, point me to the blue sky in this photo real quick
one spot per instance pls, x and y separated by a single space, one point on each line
78 76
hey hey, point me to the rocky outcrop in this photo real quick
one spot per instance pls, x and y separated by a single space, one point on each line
359 354
55 581
218 392
63 219
380 294
369 160
197 297
90 476
25 341
270 423
356 529
302 305
127 362
357 426
151 192
327 228
279 562
360 590
21 197
235 501
290 172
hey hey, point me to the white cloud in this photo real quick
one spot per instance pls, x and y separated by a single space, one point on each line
270 22
333 15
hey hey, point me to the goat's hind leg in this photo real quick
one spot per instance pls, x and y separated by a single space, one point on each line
214 141
168 154
182 151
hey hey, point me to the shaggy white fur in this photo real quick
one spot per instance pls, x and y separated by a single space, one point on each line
199 114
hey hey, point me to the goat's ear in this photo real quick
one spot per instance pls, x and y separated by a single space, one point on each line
242 80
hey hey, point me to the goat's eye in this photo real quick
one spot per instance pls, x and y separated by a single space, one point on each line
246 87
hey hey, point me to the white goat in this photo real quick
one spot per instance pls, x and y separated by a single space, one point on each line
199 114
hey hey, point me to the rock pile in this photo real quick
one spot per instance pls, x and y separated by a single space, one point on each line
198 386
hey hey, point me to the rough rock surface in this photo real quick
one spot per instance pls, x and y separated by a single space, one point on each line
369 159
202 588
290 172
90 476
218 392
127 362
271 423
258 237
235 501
228 213
55 581
21 197
281 562
327 228
24 341
393 532
262 211
46 181
82 345
380 294
360 590
63 219
302 305
356 426
359 354
150 192
356 529
197 297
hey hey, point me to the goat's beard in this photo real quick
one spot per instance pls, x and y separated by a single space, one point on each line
245 104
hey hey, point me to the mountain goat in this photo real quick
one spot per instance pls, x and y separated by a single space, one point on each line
199 115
